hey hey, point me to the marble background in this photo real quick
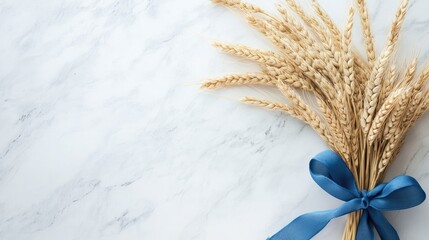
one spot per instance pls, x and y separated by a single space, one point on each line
104 133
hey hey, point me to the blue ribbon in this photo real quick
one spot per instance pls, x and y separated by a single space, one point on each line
331 173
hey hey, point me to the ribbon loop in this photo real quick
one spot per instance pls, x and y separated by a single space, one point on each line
402 192
331 173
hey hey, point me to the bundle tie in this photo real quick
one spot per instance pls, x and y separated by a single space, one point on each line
331 173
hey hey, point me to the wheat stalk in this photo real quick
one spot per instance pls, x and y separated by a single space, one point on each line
363 107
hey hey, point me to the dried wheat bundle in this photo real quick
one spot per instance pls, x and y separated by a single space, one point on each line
365 105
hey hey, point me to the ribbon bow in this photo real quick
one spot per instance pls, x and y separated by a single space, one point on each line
331 173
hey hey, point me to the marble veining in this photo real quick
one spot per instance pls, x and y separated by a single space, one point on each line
106 135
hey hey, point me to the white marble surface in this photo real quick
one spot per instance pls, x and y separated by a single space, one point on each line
104 133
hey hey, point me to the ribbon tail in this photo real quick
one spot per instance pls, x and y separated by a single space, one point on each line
304 227
365 230
308 225
384 228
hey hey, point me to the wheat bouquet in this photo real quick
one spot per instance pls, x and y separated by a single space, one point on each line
362 106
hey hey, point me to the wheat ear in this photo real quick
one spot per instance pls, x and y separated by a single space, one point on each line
239 79
374 84
369 39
